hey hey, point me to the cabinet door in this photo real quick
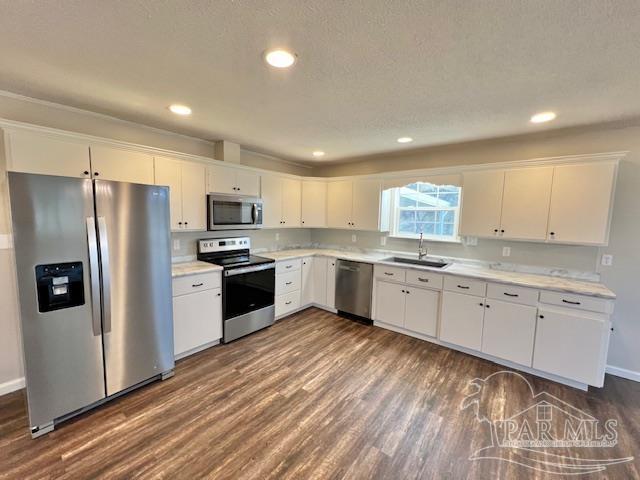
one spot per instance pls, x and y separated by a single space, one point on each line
331 283
509 331
314 204
197 320
271 202
390 303
291 202
339 204
221 179
307 281
320 280
31 153
481 203
581 203
366 204
168 173
461 320
525 203
421 311
194 196
120 165
572 345
248 183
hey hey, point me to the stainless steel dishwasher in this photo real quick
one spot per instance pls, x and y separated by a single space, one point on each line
354 284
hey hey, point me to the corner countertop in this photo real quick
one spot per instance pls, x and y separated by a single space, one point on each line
182 269
543 282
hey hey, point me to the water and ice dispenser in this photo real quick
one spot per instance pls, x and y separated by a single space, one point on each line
59 285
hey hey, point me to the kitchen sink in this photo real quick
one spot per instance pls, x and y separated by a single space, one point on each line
415 261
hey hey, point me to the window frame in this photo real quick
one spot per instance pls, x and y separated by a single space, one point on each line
395 218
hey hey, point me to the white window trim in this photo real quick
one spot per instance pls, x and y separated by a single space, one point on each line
430 238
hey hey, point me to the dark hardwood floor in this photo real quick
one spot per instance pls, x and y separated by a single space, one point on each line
314 396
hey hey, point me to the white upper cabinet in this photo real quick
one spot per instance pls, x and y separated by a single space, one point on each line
581 202
314 204
525 203
481 203
357 204
281 202
36 153
223 179
121 165
187 187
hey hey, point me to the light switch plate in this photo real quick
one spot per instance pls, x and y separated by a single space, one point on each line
607 260
383 241
471 241
506 251
354 239
176 244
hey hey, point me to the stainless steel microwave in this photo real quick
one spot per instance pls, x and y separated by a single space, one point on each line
233 212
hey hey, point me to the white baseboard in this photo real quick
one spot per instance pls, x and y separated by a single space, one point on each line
11 386
623 372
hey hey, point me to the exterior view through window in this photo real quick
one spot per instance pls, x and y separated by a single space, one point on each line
426 208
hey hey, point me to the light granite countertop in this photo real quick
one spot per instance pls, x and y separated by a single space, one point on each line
182 269
545 282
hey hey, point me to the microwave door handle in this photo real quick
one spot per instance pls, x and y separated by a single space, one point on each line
106 274
254 213
94 274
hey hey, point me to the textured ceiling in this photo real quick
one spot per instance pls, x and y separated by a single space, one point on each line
369 71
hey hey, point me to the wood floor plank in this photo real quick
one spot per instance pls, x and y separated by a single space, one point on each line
314 396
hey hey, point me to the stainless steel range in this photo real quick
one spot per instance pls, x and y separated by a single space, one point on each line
248 285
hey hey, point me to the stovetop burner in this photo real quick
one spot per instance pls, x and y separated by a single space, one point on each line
229 253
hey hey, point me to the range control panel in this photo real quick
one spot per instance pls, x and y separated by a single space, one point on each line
212 245
59 285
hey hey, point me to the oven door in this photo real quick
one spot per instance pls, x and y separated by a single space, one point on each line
232 212
248 289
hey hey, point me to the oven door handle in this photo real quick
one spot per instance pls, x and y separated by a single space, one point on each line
257 268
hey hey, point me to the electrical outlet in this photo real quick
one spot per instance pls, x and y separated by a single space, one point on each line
176 244
383 241
471 241
277 237
354 239
506 251
607 260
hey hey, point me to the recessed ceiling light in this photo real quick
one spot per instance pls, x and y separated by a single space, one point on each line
318 153
180 109
280 58
543 117
405 140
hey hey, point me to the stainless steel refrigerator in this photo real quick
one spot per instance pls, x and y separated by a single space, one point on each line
93 263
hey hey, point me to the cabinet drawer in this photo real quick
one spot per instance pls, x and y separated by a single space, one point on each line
465 285
288 265
196 283
288 282
424 279
287 303
509 293
389 273
580 302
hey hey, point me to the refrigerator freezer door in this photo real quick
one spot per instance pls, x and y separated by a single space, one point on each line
135 254
63 354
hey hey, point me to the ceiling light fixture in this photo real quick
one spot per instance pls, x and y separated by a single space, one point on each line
405 140
280 58
180 109
318 153
543 117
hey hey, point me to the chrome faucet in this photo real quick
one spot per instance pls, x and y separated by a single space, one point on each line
422 252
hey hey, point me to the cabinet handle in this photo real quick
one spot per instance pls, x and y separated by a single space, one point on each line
501 231
481 304
403 291
488 306
540 316
495 230
463 287
219 294
96 174
552 233
407 292
288 303
195 285
186 223
389 274
179 223
288 283
425 280
511 294
288 266
570 302
86 172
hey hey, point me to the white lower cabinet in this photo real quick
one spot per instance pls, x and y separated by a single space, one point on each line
461 320
572 344
197 320
331 283
306 296
509 331
412 308
303 282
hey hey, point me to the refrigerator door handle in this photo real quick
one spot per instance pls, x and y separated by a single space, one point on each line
106 274
94 273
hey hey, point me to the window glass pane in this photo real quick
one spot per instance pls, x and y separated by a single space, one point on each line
428 228
426 215
446 216
427 188
412 186
406 201
447 229
451 199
